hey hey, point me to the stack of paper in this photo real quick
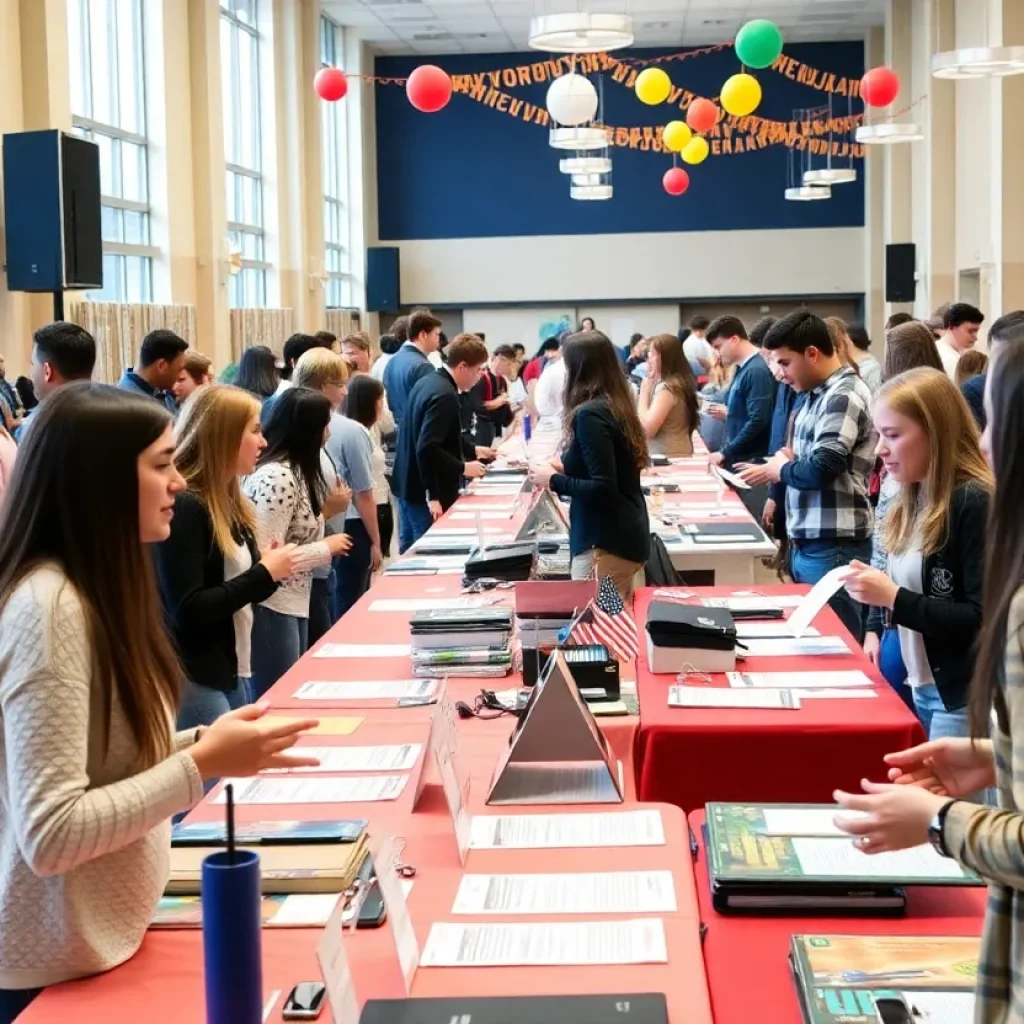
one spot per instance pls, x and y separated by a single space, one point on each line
462 641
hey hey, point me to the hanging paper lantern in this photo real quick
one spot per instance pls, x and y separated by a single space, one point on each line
741 95
652 86
330 84
675 181
675 135
759 43
695 151
702 115
879 87
429 88
572 100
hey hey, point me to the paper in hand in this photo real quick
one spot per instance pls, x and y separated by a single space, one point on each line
732 479
816 600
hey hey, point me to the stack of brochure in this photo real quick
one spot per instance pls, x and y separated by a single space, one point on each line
472 642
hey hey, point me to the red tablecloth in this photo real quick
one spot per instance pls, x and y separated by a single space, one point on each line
754 950
691 756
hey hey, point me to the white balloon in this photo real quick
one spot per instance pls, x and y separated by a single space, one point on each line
572 100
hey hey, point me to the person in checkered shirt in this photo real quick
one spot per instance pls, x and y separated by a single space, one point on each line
828 514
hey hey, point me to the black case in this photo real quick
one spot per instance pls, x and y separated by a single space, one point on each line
671 624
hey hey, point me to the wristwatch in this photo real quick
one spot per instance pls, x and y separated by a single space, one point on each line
935 836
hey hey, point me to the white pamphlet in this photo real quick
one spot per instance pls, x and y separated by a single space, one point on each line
312 910
400 757
336 970
426 604
838 694
362 651
295 790
725 697
816 599
805 821
799 680
787 647
732 478
607 892
940 1007
562 943
840 858
385 689
774 628
484 513
567 831
458 531
386 853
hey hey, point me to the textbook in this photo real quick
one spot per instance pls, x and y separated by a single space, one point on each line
840 979
267 833
791 856
173 912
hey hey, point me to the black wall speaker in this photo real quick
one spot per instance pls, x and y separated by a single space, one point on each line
900 285
52 212
383 287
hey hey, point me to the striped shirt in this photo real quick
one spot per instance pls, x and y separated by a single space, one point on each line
834 449
990 841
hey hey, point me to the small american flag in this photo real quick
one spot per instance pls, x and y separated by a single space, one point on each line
606 622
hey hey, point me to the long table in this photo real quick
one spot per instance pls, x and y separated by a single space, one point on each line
755 948
689 756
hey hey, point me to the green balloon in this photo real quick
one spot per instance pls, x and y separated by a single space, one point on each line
759 43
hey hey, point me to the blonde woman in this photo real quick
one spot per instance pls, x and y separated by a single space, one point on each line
934 536
210 570
668 398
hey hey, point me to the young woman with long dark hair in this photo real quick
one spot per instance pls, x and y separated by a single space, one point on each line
668 398
604 449
257 372
210 570
292 500
924 800
91 770
365 404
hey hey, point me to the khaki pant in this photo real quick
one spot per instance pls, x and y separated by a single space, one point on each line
626 575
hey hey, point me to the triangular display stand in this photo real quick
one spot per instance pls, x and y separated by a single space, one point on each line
545 519
557 754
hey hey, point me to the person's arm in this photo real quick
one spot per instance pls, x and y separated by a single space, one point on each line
987 840
360 464
387 419
950 620
593 433
760 399
182 565
654 411
59 819
434 460
275 497
837 431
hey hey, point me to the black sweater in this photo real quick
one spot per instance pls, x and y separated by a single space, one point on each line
948 613
608 509
198 602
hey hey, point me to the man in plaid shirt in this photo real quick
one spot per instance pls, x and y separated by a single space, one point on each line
828 514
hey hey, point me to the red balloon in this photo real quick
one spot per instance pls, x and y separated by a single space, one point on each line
429 88
330 84
879 87
702 115
675 181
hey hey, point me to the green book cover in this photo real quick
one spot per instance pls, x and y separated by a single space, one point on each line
839 977
791 843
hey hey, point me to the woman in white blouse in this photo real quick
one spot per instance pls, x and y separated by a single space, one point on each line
292 500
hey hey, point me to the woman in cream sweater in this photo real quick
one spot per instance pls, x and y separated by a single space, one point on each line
91 770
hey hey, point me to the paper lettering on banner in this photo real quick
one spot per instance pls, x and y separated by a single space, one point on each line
816 599
336 970
444 743
386 853
567 831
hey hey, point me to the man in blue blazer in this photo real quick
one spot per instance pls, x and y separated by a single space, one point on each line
411 362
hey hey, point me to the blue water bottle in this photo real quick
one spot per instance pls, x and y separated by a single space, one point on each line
526 426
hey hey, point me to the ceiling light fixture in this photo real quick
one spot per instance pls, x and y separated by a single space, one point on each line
586 165
979 62
588 179
580 32
577 138
830 176
874 134
590 192
808 193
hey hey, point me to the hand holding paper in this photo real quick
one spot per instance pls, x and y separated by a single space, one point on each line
869 586
732 478
816 599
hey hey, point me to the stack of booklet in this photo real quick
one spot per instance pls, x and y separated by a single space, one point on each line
474 642
789 857
867 979
295 856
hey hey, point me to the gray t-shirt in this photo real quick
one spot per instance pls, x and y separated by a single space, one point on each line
351 450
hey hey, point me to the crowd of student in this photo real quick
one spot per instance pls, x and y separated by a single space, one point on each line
150 595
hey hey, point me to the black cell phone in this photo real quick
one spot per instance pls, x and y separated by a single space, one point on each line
893 1010
305 1001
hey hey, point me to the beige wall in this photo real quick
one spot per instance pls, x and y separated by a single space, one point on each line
186 150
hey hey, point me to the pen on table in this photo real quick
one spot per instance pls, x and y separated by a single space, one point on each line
229 790
693 843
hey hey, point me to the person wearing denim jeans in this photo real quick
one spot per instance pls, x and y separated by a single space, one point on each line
414 519
811 560
278 641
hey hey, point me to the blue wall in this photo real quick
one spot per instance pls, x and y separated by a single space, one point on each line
470 171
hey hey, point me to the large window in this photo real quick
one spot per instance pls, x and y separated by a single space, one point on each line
240 79
335 176
108 106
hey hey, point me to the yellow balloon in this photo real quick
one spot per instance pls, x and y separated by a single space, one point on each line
652 86
676 135
695 151
741 95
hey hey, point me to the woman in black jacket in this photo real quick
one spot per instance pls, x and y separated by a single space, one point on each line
604 448
210 570
934 534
